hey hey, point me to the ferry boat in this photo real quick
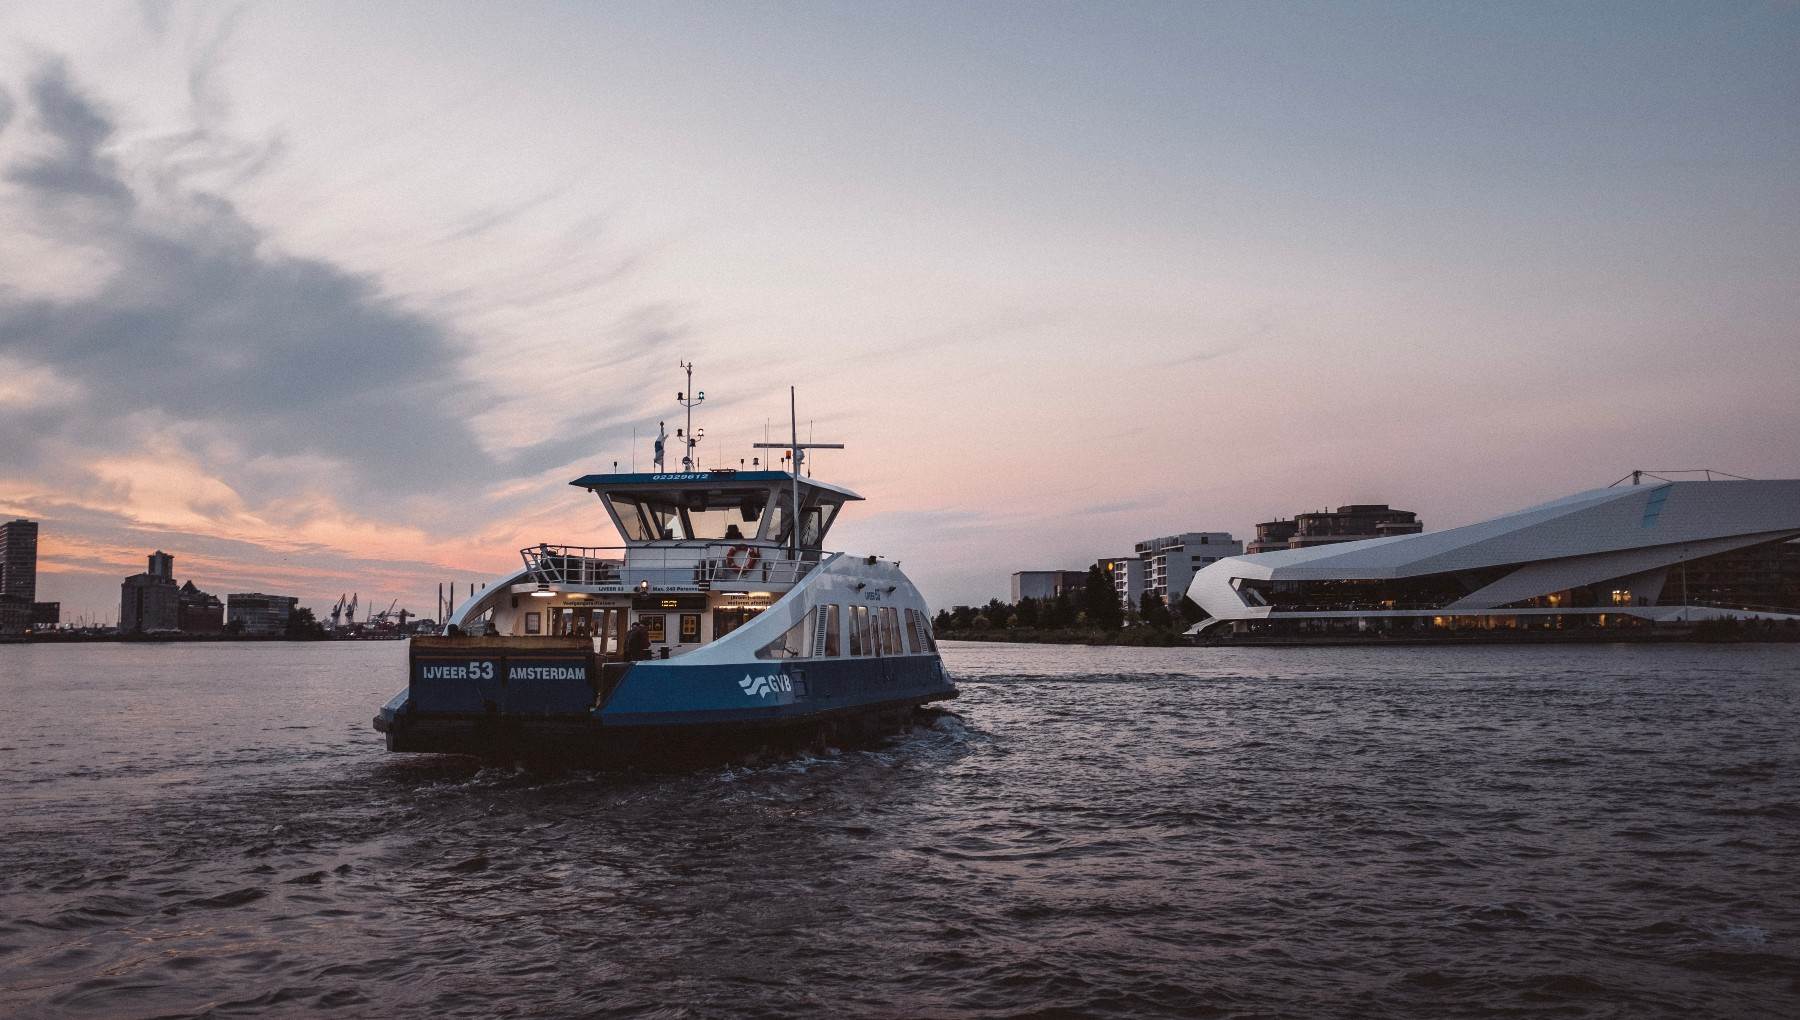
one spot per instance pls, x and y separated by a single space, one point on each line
752 634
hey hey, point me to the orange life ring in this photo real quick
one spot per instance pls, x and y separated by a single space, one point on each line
752 557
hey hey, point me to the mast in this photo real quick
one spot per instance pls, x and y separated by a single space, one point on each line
688 398
794 420
798 449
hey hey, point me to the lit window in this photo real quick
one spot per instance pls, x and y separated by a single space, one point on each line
825 632
862 642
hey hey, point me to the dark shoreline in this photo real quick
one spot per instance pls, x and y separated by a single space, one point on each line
138 639
1694 634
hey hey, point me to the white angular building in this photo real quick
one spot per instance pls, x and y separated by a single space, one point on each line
1616 557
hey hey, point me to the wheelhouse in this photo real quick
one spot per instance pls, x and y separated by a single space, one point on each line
719 506
704 553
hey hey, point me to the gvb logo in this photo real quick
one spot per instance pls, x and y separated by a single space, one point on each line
763 686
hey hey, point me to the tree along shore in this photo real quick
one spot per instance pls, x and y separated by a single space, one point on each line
1092 615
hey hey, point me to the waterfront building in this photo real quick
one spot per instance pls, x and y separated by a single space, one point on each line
1047 584
1171 562
45 614
149 603
199 612
18 559
1627 556
1128 579
15 616
254 614
1352 523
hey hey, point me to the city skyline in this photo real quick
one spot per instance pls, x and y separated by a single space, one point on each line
326 299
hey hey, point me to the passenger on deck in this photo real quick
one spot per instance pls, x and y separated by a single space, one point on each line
732 534
637 642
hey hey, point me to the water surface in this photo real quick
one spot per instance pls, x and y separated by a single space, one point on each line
1591 831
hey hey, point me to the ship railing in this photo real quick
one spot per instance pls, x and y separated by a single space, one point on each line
586 566
734 564
681 566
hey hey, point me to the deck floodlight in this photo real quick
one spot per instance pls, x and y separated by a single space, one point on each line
542 591
644 586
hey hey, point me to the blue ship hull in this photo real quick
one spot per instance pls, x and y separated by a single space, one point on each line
538 703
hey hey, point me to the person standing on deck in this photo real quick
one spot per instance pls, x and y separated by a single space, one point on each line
637 642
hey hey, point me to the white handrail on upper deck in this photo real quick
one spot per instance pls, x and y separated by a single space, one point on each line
700 564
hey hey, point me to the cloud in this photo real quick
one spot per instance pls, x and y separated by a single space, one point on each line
73 166
203 329
168 368
155 15
1200 356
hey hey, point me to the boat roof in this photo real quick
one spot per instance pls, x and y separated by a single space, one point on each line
678 480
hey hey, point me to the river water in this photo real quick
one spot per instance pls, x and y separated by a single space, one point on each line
1555 831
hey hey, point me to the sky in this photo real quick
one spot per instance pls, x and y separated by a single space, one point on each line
336 297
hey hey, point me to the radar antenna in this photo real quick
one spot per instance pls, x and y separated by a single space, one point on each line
797 450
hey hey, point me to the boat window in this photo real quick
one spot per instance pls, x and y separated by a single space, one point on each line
781 521
728 619
827 638
790 645
890 631
815 521
922 639
665 521
629 513
777 521
862 640
714 524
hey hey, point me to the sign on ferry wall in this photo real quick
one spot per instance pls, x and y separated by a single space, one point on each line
480 682
667 603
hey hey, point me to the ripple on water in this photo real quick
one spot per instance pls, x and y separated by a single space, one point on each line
1088 832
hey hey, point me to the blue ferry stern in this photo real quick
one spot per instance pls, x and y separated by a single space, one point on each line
721 626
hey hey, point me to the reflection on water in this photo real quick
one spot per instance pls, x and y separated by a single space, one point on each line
1425 832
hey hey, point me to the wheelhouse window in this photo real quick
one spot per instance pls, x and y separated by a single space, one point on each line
775 528
815 521
710 515
814 524
723 515
665 522
629 512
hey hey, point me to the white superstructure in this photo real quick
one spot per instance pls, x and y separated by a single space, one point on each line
1653 552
